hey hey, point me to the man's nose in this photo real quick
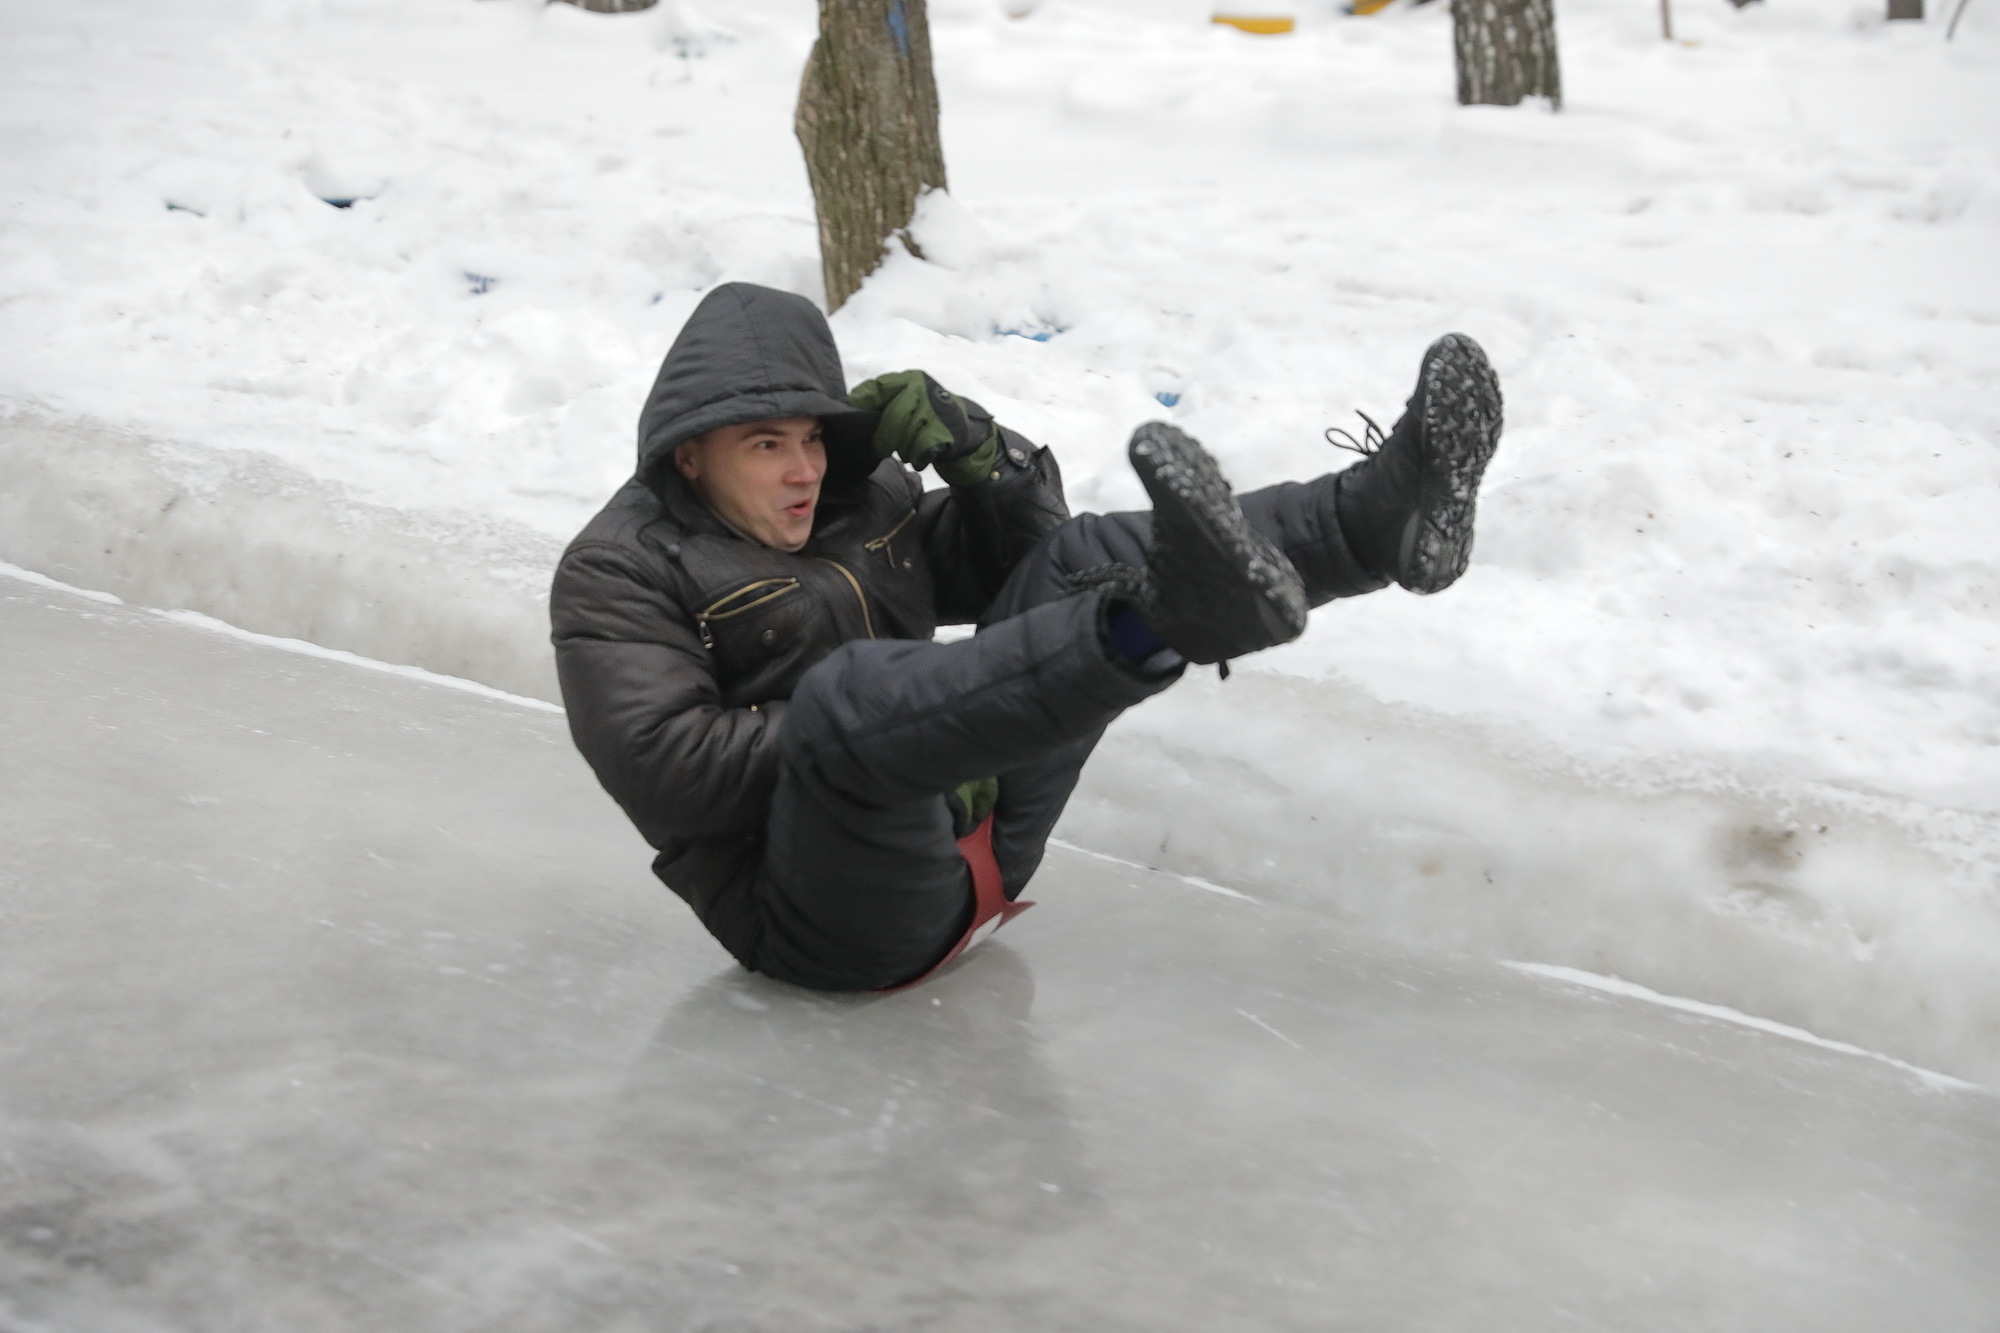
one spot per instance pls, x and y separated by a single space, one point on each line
802 469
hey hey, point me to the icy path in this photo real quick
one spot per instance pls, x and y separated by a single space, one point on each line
341 1000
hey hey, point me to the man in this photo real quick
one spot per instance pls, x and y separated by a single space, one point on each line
744 634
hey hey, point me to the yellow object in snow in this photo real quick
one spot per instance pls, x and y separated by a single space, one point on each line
1363 8
1265 23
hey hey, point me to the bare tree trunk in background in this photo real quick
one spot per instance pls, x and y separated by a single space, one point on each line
1506 51
868 122
612 6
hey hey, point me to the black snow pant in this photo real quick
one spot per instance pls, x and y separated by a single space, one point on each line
863 885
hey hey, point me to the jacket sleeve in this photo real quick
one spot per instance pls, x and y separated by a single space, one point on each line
644 707
975 535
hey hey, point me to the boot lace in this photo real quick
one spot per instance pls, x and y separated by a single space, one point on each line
1368 444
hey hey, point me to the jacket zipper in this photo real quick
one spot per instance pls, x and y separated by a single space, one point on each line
713 611
882 543
867 622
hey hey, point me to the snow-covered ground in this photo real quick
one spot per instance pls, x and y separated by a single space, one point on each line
1718 706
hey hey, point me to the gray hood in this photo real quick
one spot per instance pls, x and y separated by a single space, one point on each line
748 353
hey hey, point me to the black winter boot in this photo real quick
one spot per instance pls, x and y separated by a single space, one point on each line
1214 588
1407 510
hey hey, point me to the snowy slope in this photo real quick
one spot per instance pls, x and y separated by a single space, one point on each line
1741 293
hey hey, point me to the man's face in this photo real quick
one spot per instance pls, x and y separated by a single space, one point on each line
763 477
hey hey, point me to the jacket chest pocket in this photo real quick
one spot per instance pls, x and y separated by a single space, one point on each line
742 621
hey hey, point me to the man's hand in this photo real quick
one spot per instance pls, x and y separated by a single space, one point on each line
925 425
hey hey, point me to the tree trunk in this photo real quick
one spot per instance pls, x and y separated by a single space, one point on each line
1506 51
868 122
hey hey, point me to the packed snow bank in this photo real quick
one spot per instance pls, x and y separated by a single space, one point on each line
265 547
1735 569
1863 917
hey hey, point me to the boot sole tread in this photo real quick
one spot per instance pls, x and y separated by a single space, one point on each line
1192 499
1462 420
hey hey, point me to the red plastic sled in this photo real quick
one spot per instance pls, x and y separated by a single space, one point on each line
990 908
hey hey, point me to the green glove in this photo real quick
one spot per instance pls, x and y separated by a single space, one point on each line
927 426
970 803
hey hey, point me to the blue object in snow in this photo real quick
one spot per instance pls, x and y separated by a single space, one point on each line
341 203
1038 336
1167 399
481 284
899 28
657 298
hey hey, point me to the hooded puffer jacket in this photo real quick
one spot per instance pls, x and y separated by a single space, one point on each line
678 641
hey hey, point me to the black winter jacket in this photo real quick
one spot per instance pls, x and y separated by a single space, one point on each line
678 641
